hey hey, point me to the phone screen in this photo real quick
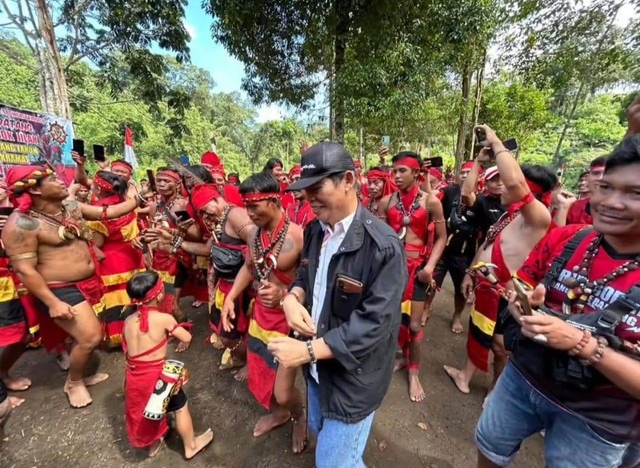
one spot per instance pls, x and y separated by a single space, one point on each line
183 215
436 161
98 153
78 146
152 180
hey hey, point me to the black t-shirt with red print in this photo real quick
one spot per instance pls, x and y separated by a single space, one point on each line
607 407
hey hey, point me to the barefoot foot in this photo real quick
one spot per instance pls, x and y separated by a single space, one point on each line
182 347
458 379
269 422
242 374
17 384
155 448
15 401
77 393
215 341
400 363
416 392
456 326
95 379
299 434
200 442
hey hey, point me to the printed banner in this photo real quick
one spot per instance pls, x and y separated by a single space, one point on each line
28 137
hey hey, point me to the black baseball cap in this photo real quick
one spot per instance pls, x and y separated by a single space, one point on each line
320 161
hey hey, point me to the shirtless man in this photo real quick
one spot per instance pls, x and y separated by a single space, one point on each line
275 255
47 244
507 245
409 211
380 185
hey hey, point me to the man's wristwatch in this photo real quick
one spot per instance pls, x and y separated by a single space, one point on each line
312 353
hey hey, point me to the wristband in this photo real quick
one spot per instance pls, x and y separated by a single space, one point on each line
312 354
500 152
597 353
577 349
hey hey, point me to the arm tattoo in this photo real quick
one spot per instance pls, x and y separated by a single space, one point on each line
27 223
287 245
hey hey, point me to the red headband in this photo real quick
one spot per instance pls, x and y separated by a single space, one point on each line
151 295
408 162
169 174
20 179
219 169
545 197
102 183
122 165
596 167
256 197
203 194
210 158
467 166
377 174
435 172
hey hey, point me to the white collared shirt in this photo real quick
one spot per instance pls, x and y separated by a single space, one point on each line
331 243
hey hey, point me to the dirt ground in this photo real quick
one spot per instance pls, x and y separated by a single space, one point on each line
45 432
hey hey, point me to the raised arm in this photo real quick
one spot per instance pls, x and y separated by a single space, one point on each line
95 213
516 187
470 184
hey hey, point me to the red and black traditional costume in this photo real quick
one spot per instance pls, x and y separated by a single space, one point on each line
407 214
266 322
121 261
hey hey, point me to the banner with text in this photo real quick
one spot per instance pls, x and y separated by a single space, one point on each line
28 137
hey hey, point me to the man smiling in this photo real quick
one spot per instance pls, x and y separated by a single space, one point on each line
351 278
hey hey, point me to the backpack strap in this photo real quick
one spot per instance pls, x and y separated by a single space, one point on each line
561 260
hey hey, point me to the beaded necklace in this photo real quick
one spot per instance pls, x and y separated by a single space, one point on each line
499 226
581 289
68 227
265 250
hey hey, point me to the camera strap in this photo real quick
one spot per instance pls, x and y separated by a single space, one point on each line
561 260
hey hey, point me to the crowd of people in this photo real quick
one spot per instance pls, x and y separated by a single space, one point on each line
332 270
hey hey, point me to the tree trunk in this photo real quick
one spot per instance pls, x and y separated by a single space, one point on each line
467 74
53 84
476 107
342 8
584 81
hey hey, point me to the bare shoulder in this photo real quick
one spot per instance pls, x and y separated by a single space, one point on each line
432 201
20 232
296 232
180 204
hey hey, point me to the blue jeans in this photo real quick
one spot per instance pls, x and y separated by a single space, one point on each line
340 445
516 410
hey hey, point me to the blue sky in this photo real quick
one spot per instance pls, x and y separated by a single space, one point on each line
212 56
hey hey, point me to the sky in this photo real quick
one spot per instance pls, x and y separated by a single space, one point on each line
226 71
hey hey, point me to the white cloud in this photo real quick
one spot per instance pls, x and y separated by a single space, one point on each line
191 30
268 113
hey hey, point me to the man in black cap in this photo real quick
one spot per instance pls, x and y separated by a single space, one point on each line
344 307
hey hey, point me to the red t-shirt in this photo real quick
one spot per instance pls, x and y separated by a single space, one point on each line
579 212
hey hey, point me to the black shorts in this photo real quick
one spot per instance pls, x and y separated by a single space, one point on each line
455 265
419 290
177 401
68 294
181 276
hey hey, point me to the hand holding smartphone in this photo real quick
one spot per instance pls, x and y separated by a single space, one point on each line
521 290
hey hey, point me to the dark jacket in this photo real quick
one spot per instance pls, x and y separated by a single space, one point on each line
360 327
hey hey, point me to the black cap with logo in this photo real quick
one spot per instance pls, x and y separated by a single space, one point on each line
320 161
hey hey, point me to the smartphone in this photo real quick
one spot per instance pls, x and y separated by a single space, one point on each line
98 153
511 144
184 159
481 136
6 210
152 180
435 162
78 146
521 290
386 140
182 215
